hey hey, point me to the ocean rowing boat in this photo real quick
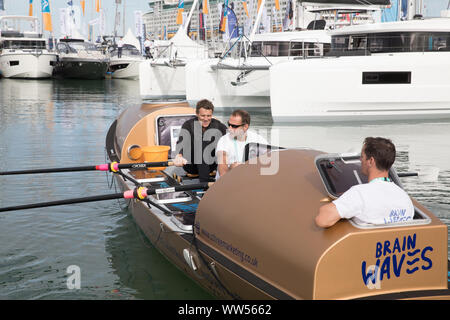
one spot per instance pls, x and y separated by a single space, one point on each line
251 235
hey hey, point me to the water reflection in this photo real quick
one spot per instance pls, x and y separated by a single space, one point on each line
139 266
12 90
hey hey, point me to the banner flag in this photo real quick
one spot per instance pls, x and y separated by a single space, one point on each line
46 15
180 12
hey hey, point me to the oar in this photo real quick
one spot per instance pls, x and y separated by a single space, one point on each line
137 193
112 167
430 174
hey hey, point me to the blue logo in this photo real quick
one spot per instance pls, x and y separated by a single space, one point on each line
45 6
400 258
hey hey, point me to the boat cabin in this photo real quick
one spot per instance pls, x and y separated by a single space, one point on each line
127 50
75 46
308 43
403 36
20 33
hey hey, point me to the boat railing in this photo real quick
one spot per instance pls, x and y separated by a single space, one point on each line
172 51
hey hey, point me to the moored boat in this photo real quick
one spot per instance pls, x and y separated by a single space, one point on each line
242 81
251 235
80 59
380 71
24 52
127 66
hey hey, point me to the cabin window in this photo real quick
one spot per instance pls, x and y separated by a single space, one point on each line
24 44
393 42
285 49
168 130
339 43
271 49
386 78
14 63
358 42
256 49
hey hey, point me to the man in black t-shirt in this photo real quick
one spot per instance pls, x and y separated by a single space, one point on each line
196 146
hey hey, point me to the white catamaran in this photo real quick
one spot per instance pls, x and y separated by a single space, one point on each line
392 70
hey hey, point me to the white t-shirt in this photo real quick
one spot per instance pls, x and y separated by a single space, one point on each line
235 149
377 202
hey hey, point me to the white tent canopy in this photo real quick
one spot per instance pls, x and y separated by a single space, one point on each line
131 39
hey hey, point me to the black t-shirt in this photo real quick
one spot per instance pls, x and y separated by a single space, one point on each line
192 130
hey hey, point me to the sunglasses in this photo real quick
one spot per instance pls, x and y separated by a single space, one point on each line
235 125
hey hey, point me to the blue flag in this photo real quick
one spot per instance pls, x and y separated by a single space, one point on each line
233 28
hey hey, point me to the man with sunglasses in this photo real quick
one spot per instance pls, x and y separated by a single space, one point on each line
197 142
231 147
380 201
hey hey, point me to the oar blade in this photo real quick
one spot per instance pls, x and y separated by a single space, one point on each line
429 174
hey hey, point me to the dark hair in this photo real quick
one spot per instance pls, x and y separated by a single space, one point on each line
243 114
205 104
382 150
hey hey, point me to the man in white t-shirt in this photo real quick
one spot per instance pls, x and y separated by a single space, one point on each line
379 201
230 148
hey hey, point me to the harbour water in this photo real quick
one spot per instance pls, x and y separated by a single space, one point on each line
49 123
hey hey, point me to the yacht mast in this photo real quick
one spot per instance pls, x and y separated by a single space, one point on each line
115 22
194 4
123 23
258 20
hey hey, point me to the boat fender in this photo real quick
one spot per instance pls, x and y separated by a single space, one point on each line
213 268
189 259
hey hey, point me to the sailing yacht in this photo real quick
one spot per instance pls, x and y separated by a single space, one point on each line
391 70
23 52
127 66
164 76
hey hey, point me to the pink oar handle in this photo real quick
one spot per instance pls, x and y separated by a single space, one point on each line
139 193
114 167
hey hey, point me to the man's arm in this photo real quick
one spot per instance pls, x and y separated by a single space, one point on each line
222 162
328 215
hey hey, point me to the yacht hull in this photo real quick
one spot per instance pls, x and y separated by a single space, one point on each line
82 68
27 65
125 69
397 86
229 84
161 79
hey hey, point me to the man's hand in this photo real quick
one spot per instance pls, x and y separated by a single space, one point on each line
234 165
179 161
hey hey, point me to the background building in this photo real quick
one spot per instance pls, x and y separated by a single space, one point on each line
160 20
